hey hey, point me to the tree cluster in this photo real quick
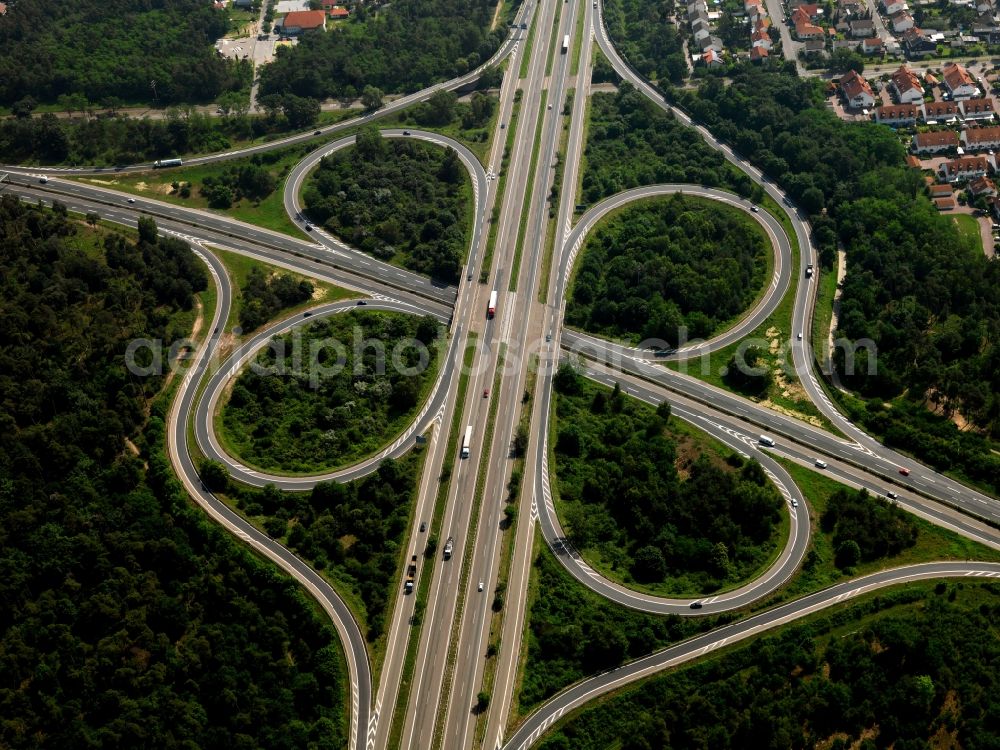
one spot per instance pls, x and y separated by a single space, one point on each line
251 181
875 526
662 265
904 670
618 480
405 47
294 415
354 531
399 200
632 142
155 53
128 619
646 35
263 296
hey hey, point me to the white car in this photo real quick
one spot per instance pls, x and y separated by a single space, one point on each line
755 209
131 200
820 463
795 503
800 337
480 585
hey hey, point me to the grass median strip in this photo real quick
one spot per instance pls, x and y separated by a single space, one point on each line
574 63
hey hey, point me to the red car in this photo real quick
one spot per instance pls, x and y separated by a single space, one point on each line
904 472
486 393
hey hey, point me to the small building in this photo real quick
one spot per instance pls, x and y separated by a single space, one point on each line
894 6
982 186
862 28
872 46
937 112
906 86
934 142
965 168
712 58
914 162
759 55
917 43
901 21
981 139
814 47
897 115
944 204
300 21
978 109
856 91
939 190
958 81
760 39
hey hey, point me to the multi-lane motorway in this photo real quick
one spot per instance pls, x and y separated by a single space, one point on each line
448 650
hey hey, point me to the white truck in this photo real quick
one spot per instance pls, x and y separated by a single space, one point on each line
449 547
467 441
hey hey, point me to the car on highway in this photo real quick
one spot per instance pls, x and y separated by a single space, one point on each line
362 302
43 179
550 106
480 585
695 605
904 471
548 337
131 200
449 547
800 336
820 463
309 227
423 526
317 132
768 441
755 209
891 495
307 315
486 392
406 132
795 503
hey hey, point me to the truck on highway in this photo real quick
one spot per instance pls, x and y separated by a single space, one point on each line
162 163
565 47
449 547
492 309
467 441
411 575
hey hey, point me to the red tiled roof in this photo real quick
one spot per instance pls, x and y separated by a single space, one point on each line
955 75
895 111
853 85
339 12
912 161
983 104
936 109
966 164
982 135
304 19
938 138
982 185
905 80
940 191
943 204
759 53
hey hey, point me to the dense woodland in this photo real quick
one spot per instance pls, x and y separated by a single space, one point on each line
927 298
407 46
660 265
399 200
301 418
264 297
156 53
643 35
695 523
128 620
352 532
866 527
632 142
919 675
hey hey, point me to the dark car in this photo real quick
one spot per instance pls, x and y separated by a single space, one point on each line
423 525
891 495
695 605
317 132
362 302
306 314
406 132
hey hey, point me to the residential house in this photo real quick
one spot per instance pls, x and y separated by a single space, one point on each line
333 10
755 9
944 204
761 39
977 109
712 58
930 79
897 115
804 27
710 43
813 47
917 43
759 55
851 7
935 112
982 186
934 142
912 161
965 168
862 28
981 139
700 29
810 10
901 21
958 81
906 86
872 46
842 26
299 21
939 190
894 6
856 91
697 10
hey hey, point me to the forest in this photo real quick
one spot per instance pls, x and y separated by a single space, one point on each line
265 296
915 287
113 138
667 263
397 199
128 619
314 416
646 38
147 53
866 527
632 142
692 521
909 669
399 49
353 532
